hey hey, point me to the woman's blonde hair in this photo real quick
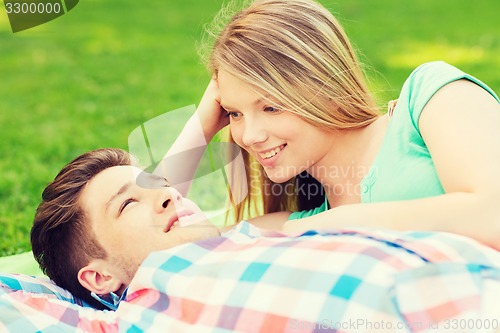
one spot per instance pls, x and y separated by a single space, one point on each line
296 52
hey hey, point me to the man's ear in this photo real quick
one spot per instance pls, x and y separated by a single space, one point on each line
99 278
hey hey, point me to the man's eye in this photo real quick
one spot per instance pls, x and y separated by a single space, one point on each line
166 183
125 204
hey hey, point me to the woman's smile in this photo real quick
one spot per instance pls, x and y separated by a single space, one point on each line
268 157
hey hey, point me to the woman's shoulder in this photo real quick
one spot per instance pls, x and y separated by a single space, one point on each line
426 80
430 76
434 68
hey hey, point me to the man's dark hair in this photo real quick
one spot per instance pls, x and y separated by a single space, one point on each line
62 240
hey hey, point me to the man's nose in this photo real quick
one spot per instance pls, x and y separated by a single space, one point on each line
168 197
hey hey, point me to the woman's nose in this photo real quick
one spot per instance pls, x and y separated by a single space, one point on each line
254 132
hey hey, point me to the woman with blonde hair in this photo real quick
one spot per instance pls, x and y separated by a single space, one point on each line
317 145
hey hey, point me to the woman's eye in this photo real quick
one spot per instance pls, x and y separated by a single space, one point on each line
271 109
234 115
125 204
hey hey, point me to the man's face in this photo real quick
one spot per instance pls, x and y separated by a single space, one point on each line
131 220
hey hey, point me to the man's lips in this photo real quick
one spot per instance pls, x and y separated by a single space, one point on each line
175 218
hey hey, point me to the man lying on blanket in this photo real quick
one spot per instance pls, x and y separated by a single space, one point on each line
101 217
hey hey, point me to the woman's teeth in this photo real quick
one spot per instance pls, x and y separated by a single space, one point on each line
271 153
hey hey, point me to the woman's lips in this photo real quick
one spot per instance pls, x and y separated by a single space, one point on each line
268 157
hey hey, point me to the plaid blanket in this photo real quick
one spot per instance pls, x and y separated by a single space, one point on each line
29 304
250 281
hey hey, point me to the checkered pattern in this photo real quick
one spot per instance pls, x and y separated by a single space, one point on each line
343 281
29 304
346 281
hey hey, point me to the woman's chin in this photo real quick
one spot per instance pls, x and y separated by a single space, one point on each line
278 177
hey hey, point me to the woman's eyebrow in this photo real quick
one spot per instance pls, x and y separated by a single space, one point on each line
122 190
226 107
257 101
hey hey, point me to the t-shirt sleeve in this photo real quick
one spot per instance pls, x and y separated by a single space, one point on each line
426 80
307 213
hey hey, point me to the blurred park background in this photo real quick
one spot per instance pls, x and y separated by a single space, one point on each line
89 78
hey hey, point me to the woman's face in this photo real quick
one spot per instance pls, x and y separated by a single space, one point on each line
283 143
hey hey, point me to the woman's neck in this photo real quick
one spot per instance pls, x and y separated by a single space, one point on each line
349 159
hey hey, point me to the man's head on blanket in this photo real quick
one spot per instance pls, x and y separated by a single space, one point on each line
96 223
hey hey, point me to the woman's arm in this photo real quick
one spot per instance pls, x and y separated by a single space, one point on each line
179 164
272 221
461 128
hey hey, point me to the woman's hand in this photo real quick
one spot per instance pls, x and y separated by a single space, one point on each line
212 116
296 227
391 106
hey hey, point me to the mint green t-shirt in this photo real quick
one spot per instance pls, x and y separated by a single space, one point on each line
403 168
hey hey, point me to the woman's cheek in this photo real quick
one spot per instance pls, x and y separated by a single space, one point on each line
236 134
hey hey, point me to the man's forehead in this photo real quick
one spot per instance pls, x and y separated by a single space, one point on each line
109 180
105 184
117 175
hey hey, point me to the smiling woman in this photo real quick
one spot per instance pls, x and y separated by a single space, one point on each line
300 107
258 118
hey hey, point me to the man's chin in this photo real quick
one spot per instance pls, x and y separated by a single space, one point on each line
199 231
193 219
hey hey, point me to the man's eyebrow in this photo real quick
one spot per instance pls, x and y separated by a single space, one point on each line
158 177
148 180
122 190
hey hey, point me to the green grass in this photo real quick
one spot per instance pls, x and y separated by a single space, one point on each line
87 79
